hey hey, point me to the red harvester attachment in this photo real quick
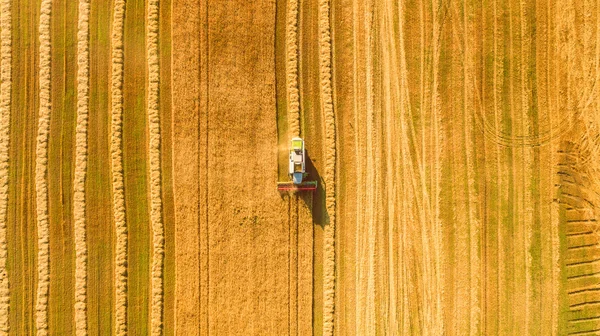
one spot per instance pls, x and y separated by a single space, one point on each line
290 186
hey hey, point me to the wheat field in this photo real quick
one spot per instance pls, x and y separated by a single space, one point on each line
455 144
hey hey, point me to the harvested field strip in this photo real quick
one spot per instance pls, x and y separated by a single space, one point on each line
81 151
61 145
5 108
41 171
326 97
136 170
100 231
22 224
156 216
166 152
116 148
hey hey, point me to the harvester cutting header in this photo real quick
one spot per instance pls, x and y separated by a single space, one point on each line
297 169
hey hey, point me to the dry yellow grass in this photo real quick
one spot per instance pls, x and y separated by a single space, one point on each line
158 231
79 211
5 107
41 171
117 169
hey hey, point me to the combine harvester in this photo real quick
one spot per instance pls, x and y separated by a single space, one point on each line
297 170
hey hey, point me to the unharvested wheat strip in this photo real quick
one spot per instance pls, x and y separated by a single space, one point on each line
369 222
423 310
41 171
158 236
387 33
472 216
554 207
330 165
498 69
527 214
5 105
291 68
437 178
83 89
358 116
117 169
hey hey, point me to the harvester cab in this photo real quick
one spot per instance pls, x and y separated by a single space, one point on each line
297 169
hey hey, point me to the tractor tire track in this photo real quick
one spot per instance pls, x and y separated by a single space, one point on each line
326 96
81 151
116 148
41 171
156 206
5 108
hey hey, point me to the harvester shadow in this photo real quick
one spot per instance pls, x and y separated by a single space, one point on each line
315 201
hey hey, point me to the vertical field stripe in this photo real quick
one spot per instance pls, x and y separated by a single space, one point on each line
5 106
116 150
158 231
81 147
326 93
41 170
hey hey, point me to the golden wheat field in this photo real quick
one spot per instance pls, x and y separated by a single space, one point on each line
456 146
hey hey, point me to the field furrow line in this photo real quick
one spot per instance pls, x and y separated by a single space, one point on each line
116 149
528 170
439 148
358 107
515 235
392 323
369 258
554 208
5 107
291 68
41 171
326 95
500 164
158 230
81 147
